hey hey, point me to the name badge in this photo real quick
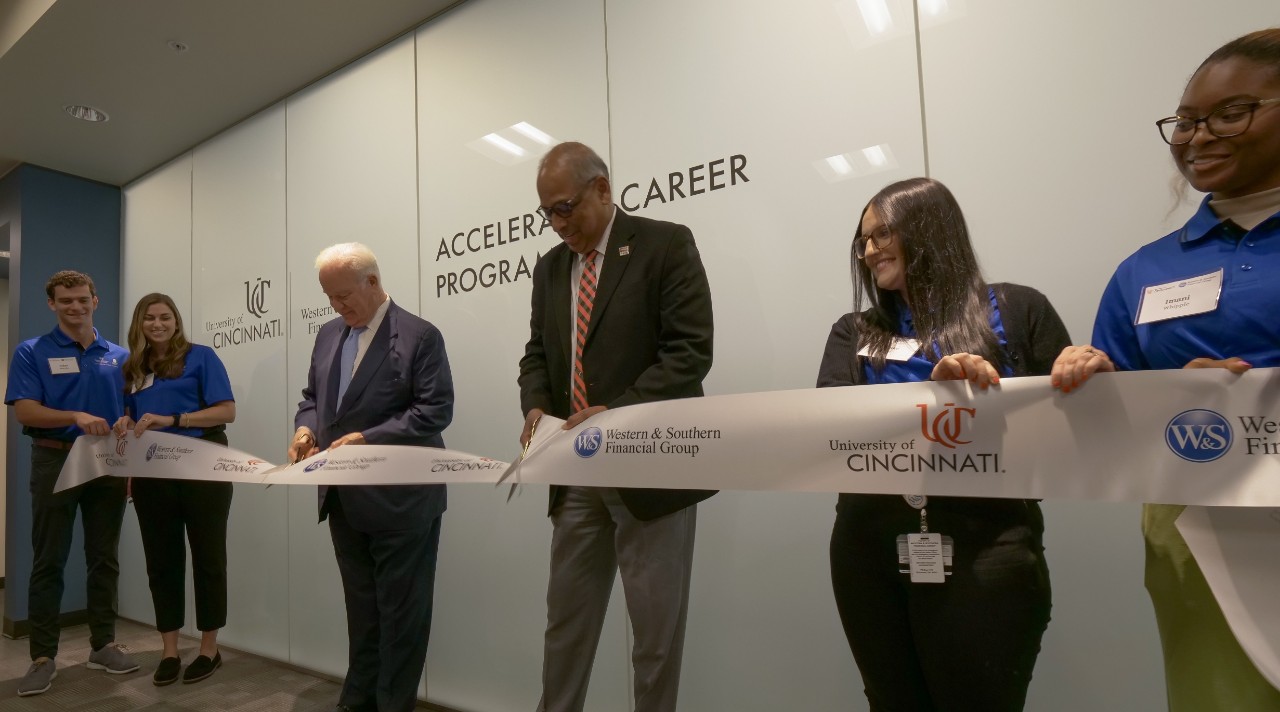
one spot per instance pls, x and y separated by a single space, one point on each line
925 560
924 553
1183 297
68 364
902 349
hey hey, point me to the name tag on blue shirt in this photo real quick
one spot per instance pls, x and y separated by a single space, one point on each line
68 364
902 349
1183 297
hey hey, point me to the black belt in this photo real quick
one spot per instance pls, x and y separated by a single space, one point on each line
54 444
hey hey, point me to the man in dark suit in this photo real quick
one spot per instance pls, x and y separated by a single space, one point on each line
379 375
621 315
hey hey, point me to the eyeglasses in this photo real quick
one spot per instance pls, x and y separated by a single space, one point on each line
565 208
882 237
1224 122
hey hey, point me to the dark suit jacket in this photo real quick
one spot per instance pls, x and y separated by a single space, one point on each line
649 338
402 394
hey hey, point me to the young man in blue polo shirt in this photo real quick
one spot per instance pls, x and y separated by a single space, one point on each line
62 385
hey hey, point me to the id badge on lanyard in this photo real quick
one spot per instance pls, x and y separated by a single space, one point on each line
927 556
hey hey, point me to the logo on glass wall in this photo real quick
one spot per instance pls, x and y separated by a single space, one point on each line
1198 435
255 296
946 426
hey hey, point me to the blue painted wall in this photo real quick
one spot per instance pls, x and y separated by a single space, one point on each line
56 222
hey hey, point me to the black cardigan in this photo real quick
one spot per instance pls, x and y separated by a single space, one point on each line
1034 331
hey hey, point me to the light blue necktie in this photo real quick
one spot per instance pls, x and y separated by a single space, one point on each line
347 361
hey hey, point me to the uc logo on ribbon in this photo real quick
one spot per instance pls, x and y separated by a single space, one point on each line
1198 435
587 443
945 427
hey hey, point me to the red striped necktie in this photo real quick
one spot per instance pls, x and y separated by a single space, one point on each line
582 316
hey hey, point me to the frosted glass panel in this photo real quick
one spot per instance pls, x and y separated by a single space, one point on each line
239 308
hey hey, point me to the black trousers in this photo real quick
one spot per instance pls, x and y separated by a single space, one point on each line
53 517
170 511
388 578
965 645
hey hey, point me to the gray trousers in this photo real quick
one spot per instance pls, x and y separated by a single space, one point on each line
595 536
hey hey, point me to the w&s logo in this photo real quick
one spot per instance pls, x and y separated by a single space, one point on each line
945 426
255 297
587 443
1198 435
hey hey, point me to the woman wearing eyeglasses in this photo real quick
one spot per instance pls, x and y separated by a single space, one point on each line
1225 140
923 312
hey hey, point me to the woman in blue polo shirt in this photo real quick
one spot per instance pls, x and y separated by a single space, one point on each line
179 387
971 641
1225 140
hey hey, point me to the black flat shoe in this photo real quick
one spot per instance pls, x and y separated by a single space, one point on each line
201 667
167 672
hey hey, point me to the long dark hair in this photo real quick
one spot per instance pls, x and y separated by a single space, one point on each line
142 359
948 298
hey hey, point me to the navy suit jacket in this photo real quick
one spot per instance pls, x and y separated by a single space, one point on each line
649 338
401 394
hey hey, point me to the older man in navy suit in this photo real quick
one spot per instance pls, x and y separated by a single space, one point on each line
379 375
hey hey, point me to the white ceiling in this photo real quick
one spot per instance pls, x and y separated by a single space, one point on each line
114 55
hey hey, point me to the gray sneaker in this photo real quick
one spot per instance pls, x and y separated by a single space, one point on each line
112 657
38 678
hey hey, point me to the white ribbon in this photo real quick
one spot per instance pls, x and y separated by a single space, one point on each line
1178 437
1235 547
177 457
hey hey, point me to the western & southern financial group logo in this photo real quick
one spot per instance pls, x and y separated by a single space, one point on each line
587 443
1198 435
945 427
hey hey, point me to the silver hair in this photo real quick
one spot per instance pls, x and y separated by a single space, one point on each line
351 255
584 163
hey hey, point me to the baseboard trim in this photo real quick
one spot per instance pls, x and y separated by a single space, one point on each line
22 628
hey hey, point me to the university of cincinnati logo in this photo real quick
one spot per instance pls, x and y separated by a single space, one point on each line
255 297
1198 435
587 443
120 446
946 426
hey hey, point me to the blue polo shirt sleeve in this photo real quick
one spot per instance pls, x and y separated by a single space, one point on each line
1113 328
214 381
24 378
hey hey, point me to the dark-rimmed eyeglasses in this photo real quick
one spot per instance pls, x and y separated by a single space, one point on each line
883 237
1224 122
565 208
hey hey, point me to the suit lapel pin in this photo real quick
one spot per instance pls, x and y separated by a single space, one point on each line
624 250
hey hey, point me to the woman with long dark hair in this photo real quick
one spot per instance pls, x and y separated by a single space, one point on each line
1225 140
923 312
179 387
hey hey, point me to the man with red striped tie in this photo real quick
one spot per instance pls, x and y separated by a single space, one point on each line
621 315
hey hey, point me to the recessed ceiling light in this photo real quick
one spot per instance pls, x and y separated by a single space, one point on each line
179 46
86 113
